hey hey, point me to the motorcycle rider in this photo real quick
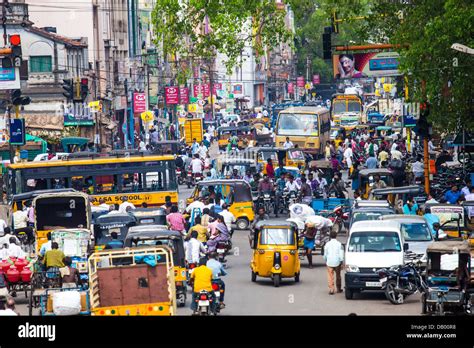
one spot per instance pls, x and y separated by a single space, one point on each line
202 277
219 233
306 194
292 185
196 166
280 187
235 174
267 186
261 216
193 248
217 271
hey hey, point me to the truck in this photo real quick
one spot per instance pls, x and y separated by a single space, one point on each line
132 281
193 129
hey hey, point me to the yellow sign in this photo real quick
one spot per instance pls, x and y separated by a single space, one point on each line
96 105
387 87
147 116
307 86
192 107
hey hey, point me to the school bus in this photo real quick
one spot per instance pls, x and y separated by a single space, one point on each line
306 126
346 110
139 178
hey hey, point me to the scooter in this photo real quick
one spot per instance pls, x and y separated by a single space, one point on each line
204 303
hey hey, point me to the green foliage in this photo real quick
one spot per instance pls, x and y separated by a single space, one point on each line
427 29
179 27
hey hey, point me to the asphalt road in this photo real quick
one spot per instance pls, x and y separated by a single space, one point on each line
308 297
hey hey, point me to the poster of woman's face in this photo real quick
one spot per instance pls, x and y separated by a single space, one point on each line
359 65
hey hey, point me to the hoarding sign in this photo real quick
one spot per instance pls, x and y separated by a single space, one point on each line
300 81
197 89
9 78
291 88
184 95
17 131
361 65
172 95
316 79
216 87
139 102
206 90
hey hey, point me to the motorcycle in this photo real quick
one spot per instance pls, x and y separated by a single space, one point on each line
289 198
179 175
339 218
222 249
217 293
204 303
190 270
266 202
193 178
401 281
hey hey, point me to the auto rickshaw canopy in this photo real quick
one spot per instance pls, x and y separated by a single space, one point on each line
241 189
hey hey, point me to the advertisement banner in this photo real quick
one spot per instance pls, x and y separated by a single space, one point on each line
197 90
9 78
291 87
172 95
300 81
139 102
184 95
316 79
238 89
216 87
206 90
359 65
17 131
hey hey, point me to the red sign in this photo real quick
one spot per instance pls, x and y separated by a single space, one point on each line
172 95
197 89
316 80
206 90
139 102
215 87
184 95
300 81
291 87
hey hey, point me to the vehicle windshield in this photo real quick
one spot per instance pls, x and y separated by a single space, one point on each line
265 155
365 242
276 236
296 155
353 106
153 242
339 107
241 169
416 232
298 124
367 215
451 214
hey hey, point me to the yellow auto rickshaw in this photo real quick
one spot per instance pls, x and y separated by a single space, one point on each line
289 157
245 134
275 251
367 180
236 194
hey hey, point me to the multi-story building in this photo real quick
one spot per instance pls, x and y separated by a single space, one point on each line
48 58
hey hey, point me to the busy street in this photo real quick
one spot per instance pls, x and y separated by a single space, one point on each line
236 158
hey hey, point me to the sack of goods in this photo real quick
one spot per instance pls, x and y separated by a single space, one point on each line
301 211
67 303
318 222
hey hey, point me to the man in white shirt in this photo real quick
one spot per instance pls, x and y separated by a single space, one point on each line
207 136
466 190
396 154
193 248
288 144
348 156
394 146
123 207
196 204
3 224
265 113
418 168
292 185
229 218
196 165
334 256
20 219
14 249
5 239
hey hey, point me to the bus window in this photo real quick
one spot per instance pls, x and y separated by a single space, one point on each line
339 107
353 106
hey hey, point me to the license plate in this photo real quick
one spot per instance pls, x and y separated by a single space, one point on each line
217 293
383 280
204 303
373 284
221 251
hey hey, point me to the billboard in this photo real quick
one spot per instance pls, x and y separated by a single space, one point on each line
359 65
183 95
171 95
139 102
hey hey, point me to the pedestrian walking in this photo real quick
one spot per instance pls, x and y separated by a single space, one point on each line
334 256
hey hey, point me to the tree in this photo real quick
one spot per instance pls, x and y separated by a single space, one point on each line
425 31
197 29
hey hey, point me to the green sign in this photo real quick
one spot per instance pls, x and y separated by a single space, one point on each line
193 100
153 99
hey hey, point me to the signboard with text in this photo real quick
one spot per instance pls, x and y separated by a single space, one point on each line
184 95
17 131
216 87
171 95
316 79
362 65
197 90
300 81
139 102
9 78
291 88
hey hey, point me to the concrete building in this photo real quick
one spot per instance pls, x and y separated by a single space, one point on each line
48 58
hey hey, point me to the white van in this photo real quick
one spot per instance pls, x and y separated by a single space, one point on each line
371 245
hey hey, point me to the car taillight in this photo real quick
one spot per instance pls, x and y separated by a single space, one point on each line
215 287
191 266
203 297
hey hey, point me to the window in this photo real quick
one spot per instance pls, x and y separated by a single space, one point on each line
277 236
298 124
41 64
416 232
374 242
